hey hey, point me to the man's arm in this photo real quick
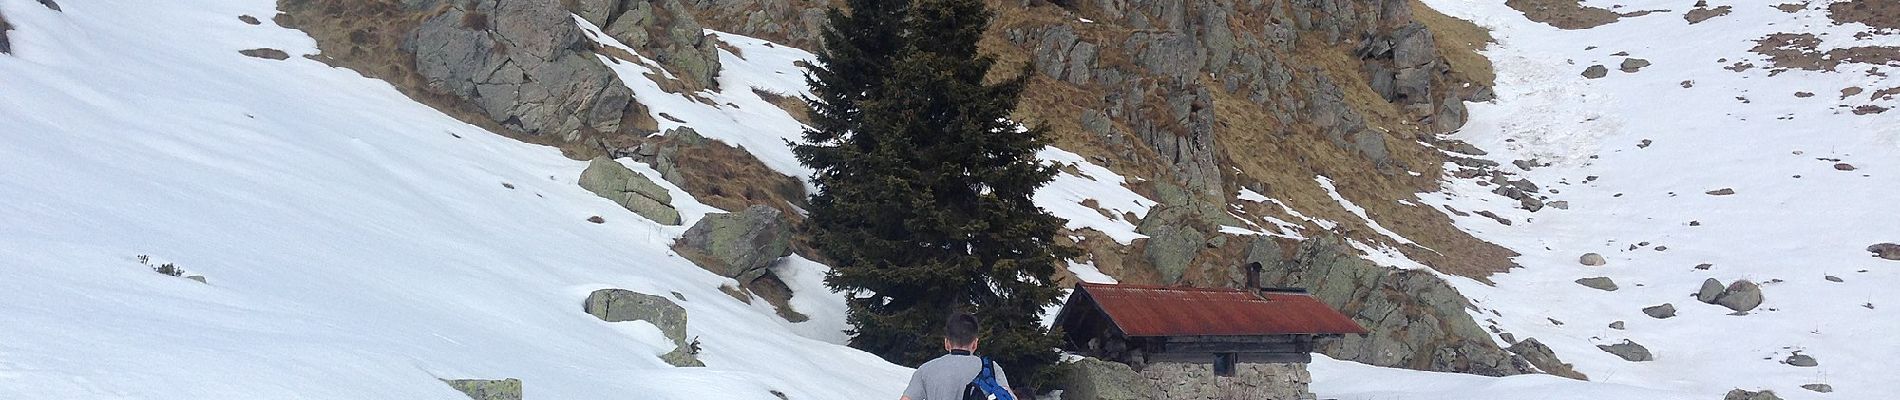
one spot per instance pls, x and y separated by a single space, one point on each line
916 389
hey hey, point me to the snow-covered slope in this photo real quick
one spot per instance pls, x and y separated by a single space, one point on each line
357 245
1654 147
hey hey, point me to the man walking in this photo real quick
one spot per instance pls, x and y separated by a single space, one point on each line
955 375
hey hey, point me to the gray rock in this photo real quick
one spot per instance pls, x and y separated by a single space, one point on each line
1592 259
1801 360
1665 310
738 245
6 46
524 64
1633 64
1599 283
1596 71
1093 379
1711 290
1618 325
1628 351
1888 251
613 181
620 305
487 389
1541 356
1831 278
1739 394
1559 204
1819 387
1721 192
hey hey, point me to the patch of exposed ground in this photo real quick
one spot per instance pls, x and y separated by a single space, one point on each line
1802 51
1700 14
1791 7
1883 14
1459 41
1564 14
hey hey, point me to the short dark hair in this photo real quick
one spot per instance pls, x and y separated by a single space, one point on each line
960 329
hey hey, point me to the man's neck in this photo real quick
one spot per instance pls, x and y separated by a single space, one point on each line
961 352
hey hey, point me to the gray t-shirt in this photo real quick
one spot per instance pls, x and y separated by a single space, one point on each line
945 377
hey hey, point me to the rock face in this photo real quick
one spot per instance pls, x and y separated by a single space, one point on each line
1598 283
1663 311
738 245
1741 295
620 305
1416 320
523 63
486 389
666 30
1541 356
1250 381
1888 251
1628 350
609 179
1739 394
1093 379
1592 259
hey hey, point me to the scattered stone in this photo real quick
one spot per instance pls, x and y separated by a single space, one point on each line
1739 394
1628 351
1699 14
738 245
1663 311
1844 167
1711 289
1695 223
1704 266
265 53
1801 360
1721 192
50 5
1554 321
1596 71
1618 325
1888 251
249 19
1631 65
1803 94
507 185
609 179
1687 84
1819 387
1559 204
620 305
199 278
1494 217
597 219
1525 164
1592 259
1644 144
488 389
1831 278
1599 283
1543 358
1741 295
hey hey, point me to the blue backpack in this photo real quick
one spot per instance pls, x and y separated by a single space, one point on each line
984 387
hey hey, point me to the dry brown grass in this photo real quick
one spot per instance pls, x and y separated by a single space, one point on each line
1564 14
1459 41
1883 14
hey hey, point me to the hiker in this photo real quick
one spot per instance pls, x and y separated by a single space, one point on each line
960 374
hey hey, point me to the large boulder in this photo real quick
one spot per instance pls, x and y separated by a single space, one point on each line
524 64
1541 356
1592 259
1888 251
1628 351
1665 310
738 245
1741 295
620 305
608 179
1093 379
488 389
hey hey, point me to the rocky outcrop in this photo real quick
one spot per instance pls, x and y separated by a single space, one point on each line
1888 251
1628 351
1544 359
523 63
665 30
1741 295
1416 320
488 389
738 245
1250 381
620 305
1094 379
613 181
715 173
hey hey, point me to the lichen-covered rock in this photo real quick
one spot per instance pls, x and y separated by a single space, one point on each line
620 305
524 64
738 245
1172 243
1741 295
1628 351
1093 379
613 181
1416 320
1541 356
665 30
487 389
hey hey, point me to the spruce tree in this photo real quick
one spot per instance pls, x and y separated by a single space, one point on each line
925 187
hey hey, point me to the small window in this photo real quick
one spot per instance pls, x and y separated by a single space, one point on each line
1224 364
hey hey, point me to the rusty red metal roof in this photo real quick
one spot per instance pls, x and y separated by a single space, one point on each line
1176 311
